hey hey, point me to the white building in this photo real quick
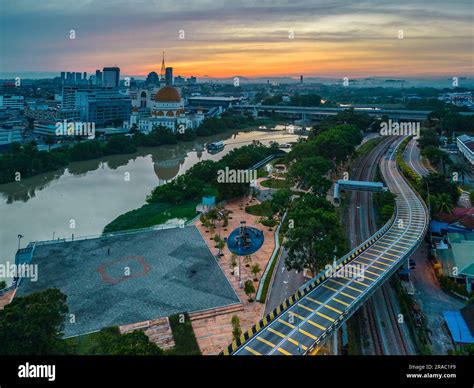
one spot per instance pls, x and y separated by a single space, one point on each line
466 147
458 99
167 110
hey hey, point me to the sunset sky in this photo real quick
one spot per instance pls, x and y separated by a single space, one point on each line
223 38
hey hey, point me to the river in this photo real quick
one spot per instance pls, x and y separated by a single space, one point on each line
90 194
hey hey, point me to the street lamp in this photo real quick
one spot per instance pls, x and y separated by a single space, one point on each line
20 236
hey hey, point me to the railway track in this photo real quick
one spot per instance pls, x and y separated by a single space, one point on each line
366 171
393 317
304 321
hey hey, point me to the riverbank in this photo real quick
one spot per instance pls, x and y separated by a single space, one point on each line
177 199
24 161
93 193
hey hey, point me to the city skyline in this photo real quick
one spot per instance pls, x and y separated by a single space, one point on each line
253 39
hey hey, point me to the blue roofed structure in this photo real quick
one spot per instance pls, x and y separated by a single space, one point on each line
442 228
461 324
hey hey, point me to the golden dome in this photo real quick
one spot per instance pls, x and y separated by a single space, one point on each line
167 94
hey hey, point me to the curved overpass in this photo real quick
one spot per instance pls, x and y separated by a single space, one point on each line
303 321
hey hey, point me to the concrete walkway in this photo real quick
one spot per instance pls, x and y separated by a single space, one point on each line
215 333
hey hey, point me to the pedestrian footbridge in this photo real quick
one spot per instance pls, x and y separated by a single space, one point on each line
345 184
303 322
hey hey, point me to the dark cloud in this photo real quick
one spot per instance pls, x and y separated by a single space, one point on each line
34 33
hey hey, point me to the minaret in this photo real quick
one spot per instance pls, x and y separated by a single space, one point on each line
163 68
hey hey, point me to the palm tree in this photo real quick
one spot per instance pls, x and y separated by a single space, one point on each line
255 271
461 168
49 141
442 203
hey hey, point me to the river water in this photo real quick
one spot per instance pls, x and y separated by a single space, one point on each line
86 196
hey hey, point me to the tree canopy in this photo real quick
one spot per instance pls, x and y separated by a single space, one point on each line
33 324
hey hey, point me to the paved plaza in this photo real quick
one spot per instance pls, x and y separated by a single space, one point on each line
131 277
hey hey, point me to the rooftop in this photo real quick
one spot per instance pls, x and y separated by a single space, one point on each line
147 275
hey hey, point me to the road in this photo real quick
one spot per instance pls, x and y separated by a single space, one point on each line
428 293
387 336
285 283
412 156
305 321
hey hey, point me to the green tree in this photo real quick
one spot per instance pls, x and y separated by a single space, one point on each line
249 289
428 137
136 343
310 173
441 203
255 270
436 156
33 324
311 241
280 200
236 330
461 169
438 184
49 141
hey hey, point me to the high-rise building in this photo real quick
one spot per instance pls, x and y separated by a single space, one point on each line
98 78
152 78
192 80
104 107
78 78
63 77
84 77
68 100
179 81
111 77
169 76
69 78
301 79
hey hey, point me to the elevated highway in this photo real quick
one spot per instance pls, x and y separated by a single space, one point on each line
321 112
303 321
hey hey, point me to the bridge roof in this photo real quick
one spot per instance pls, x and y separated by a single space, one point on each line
347 182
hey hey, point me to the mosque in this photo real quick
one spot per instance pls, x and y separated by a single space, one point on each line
162 106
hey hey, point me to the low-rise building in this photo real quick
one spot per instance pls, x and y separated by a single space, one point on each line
455 256
10 134
466 148
458 99
12 102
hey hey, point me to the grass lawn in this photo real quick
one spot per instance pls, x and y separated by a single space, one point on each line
262 209
183 334
276 183
84 344
151 214
184 338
